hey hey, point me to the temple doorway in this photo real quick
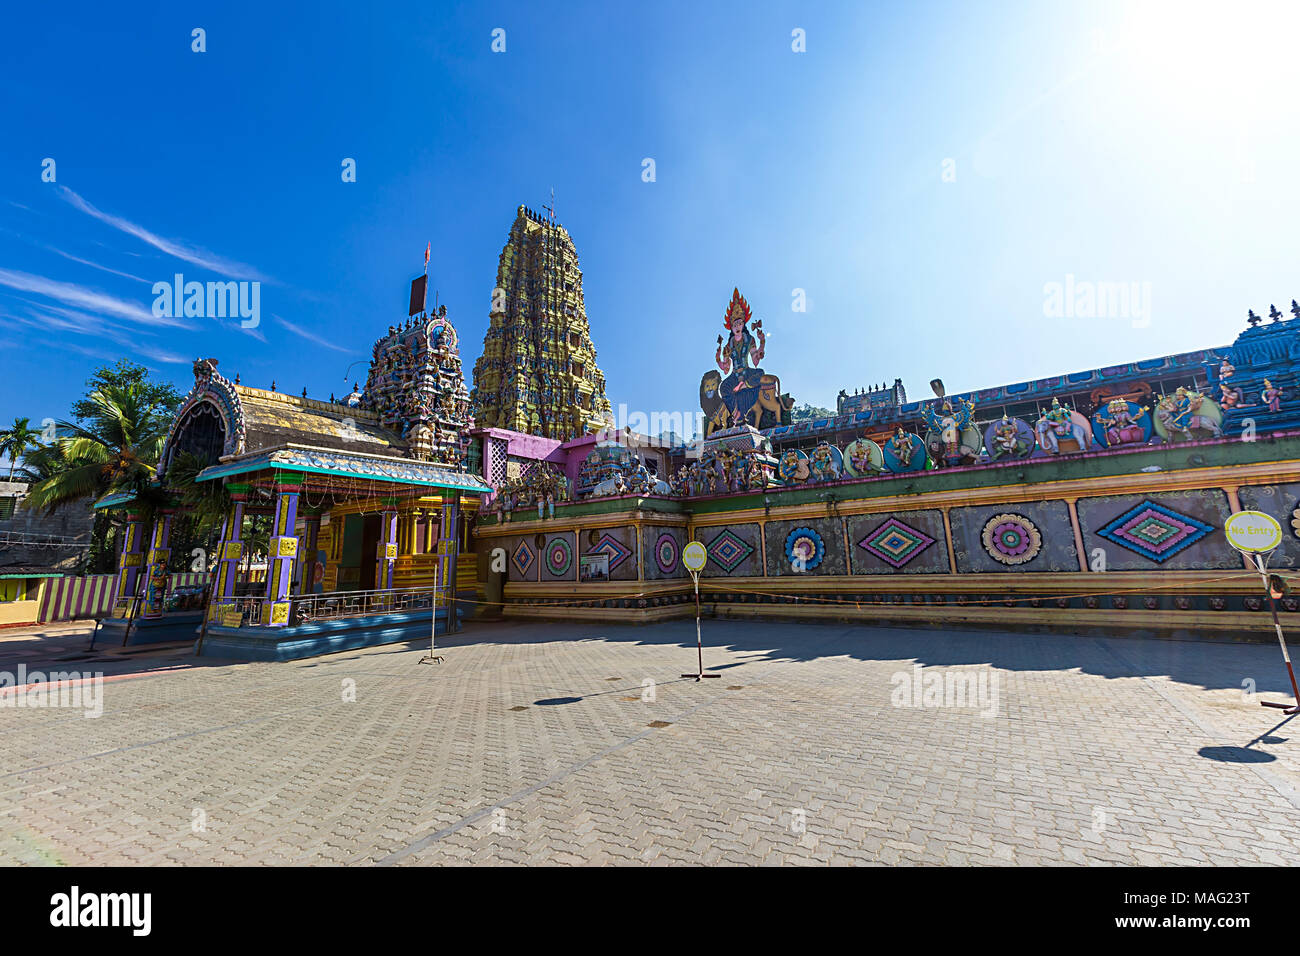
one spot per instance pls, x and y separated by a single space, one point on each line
370 528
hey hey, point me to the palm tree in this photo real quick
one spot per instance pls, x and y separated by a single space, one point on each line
115 449
16 440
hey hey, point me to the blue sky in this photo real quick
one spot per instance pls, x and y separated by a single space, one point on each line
1146 144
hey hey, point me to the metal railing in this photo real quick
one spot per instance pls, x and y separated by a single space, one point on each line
28 539
333 605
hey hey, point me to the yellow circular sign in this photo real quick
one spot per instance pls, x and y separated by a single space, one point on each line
694 556
1253 532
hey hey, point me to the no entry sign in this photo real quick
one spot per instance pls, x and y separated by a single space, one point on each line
1253 532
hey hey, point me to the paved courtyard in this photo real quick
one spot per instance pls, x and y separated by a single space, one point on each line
540 744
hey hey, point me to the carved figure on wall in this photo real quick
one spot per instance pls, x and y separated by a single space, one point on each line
1060 429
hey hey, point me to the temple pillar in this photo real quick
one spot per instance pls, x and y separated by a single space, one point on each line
450 519
230 551
157 578
282 555
130 560
307 562
387 546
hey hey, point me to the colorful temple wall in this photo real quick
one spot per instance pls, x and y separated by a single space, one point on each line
1105 544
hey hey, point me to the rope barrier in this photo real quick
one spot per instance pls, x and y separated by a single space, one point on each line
813 599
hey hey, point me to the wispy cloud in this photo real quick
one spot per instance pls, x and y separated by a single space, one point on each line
95 265
309 336
84 298
179 250
78 323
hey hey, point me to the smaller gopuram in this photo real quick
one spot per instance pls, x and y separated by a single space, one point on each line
416 386
878 396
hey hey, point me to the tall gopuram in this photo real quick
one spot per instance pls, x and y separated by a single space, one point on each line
538 372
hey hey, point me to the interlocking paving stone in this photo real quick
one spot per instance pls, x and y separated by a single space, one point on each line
1100 751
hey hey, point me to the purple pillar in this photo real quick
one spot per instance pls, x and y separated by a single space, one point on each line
159 551
131 559
282 556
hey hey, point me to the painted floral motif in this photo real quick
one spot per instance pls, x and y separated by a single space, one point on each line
559 557
667 552
804 549
1011 539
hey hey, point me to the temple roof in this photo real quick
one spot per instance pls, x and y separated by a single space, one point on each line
272 419
305 459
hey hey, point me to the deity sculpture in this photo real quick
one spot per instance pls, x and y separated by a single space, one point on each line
1180 413
821 463
905 452
793 467
1057 423
1007 440
742 347
1230 397
1121 428
1271 396
746 394
947 428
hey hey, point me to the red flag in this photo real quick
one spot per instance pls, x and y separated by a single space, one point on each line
426 253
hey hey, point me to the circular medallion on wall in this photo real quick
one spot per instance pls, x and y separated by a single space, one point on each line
1011 539
804 549
667 551
559 557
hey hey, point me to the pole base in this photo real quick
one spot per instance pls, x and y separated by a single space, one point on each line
435 659
1285 708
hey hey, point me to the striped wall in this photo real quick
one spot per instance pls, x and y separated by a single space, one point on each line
66 599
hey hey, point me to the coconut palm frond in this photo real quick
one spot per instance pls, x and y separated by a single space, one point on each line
75 483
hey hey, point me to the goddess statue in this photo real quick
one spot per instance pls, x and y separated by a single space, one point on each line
734 355
1121 428
1271 396
1180 413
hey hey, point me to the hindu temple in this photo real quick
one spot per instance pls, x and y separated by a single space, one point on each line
1090 500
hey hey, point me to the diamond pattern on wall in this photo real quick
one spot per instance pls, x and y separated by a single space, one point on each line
617 551
1154 531
523 558
896 543
729 550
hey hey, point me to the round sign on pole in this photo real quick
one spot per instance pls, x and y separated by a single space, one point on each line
1252 532
694 556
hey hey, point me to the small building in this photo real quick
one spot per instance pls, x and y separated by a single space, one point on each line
367 501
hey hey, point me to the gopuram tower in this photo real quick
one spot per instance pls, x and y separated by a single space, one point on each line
538 372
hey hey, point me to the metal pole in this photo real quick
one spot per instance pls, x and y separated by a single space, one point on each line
207 604
699 645
142 580
1277 626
